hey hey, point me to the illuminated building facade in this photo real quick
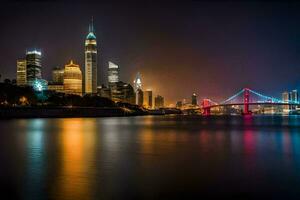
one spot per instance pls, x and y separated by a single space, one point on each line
194 100
33 66
113 73
21 72
139 97
137 83
285 99
122 92
158 102
294 97
58 75
56 87
72 79
147 101
103 91
91 62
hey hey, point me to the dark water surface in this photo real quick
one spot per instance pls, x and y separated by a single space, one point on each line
151 158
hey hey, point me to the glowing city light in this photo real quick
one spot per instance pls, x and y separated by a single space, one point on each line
39 85
34 52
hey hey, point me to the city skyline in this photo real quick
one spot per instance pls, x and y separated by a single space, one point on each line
149 99
258 57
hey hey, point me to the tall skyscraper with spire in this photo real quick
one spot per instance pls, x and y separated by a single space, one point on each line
91 61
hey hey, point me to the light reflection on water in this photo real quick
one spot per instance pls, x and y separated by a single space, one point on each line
77 141
151 157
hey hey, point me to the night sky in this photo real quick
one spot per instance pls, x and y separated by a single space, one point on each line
213 49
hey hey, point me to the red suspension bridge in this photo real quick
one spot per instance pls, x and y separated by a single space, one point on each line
245 97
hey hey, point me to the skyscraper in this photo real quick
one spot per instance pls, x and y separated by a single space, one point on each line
285 99
137 83
91 61
57 83
194 100
21 72
294 98
158 102
147 101
33 66
58 75
72 79
294 95
113 73
139 94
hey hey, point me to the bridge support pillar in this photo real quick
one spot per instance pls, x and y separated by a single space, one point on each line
206 111
246 101
206 103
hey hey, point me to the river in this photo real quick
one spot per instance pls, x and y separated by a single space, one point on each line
151 157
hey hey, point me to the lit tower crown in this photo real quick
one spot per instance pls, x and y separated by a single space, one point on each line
137 82
91 61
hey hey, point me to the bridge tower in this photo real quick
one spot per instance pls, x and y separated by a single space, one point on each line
206 107
246 101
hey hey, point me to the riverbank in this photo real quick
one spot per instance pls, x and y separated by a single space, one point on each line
66 112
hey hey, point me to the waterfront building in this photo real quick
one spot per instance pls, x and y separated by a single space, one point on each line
194 100
294 98
129 94
139 97
158 102
122 92
91 61
58 75
21 72
103 91
137 83
33 66
72 79
147 101
285 99
179 104
57 87
113 73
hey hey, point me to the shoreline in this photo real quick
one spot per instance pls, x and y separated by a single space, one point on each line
65 112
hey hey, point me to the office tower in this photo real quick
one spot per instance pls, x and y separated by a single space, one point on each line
158 102
294 95
33 66
129 94
113 73
147 102
294 98
21 72
285 99
194 100
137 83
58 75
139 97
91 61
57 83
72 79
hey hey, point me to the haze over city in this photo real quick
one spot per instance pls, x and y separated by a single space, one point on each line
211 49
